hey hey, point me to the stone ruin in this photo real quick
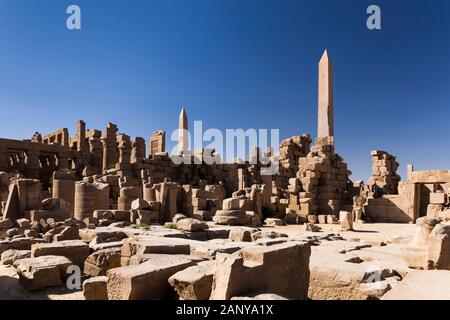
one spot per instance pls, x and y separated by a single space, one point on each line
139 226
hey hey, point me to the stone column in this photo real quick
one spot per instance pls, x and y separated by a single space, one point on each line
32 164
90 197
63 161
105 153
3 158
81 135
124 165
109 139
138 151
96 151
64 190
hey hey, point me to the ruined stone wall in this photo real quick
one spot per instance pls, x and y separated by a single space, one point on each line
291 150
323 179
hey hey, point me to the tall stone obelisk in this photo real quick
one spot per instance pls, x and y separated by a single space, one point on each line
326 100
183 133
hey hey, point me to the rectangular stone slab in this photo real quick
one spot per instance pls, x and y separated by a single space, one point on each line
147 281
75 250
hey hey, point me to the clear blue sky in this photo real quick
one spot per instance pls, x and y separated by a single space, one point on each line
233 64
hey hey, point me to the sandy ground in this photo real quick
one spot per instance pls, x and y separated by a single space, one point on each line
386 232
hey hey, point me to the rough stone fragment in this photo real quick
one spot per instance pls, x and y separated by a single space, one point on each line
42 272
191 225
96 288
146 281
258 269
99 262
274 222
8 257
75 250
194 283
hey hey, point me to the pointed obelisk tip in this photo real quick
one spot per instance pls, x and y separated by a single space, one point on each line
325 55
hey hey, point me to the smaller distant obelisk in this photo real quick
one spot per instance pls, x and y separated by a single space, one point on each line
183 133
326 100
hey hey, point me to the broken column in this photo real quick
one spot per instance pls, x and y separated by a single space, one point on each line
90 197
64 190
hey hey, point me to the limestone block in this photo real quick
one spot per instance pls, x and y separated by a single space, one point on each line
331 219
194 283
75 250
191 225
139 204
438 198
42 272
439 247
241 234
232 217
274 222
146 281
96 288
322 219
98 263
6 224
313 219
132 247
146 216
8 257
258 269
178 217
346 220
23 223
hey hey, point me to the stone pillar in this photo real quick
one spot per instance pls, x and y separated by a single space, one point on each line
157 143
32 164
127 196
168 197
109 139
81 136
96 151
3 158
29 195
63 161
326 100
64 190
90 197
105 164
149 192
124 165
241 179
